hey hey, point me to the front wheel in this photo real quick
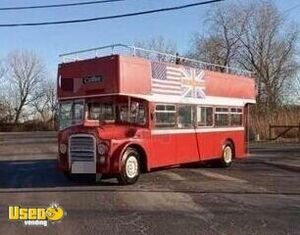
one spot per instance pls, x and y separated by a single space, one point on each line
130 167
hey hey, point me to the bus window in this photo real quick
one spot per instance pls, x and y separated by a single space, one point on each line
204 116
236 116
101 111
185 116
65 115
78 111
165 116
222 117
137 113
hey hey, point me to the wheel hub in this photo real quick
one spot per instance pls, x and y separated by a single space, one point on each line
227 154
131 167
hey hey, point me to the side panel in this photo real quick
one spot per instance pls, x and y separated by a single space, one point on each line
135 75
233 86
177 148
163 150
211 143
187 149
88 77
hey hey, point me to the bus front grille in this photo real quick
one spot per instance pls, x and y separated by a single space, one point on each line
82 148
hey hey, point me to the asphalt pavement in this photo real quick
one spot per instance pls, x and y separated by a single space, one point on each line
260 195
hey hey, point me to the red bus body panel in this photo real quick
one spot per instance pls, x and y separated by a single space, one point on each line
229 85
120 75
132 75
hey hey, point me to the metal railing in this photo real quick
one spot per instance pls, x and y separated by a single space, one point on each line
148 54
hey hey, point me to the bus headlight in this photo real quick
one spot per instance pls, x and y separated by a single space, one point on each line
102 149
63 148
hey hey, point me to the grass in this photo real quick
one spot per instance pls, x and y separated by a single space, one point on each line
260 120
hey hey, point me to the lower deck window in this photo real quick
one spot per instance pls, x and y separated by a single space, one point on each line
221 117
236 117
101 111
165 116
204 116
185 116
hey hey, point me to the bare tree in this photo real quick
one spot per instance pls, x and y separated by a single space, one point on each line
6 111
45 106
255 37
2 70
220 43
269 49
158 44
25 73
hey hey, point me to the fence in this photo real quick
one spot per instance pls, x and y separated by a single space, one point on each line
287 128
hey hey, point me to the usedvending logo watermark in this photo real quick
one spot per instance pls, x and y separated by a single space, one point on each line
36 216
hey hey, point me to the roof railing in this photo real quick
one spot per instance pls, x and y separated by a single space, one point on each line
148 54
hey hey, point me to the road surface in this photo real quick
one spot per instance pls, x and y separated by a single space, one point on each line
252 197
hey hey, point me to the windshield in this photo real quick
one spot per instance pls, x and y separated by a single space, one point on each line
117 112
70 113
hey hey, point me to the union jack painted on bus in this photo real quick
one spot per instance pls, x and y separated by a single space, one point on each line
177 80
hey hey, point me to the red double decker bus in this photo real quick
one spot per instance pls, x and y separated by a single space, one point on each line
122 115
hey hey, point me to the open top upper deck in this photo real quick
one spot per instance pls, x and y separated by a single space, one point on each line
146 74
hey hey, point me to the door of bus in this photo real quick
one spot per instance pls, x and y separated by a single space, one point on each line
186 136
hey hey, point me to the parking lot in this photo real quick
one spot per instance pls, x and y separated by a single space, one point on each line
260 195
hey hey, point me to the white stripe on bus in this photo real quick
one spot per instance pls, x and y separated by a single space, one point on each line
208 100
191 130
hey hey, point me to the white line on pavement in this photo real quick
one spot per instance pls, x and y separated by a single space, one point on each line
220 176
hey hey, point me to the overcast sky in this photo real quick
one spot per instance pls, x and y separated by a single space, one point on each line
49 41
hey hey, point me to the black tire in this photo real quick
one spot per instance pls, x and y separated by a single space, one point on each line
227 155
130 173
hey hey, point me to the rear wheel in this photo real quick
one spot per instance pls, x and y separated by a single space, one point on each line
227 155
130 167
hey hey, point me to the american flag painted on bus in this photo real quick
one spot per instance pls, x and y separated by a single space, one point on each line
166 79
177 80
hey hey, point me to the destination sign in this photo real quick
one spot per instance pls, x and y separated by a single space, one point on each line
93 79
